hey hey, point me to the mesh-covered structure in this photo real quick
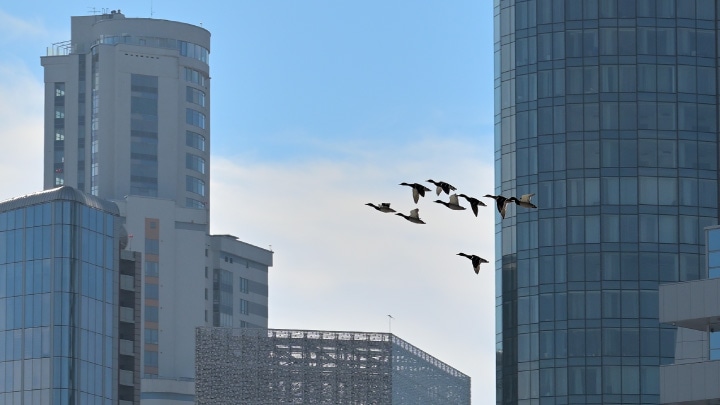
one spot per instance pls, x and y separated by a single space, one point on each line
273 366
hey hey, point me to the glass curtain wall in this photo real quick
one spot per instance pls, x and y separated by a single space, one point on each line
607 110
57 303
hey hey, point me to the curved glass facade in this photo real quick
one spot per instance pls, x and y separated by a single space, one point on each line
57 304
607 110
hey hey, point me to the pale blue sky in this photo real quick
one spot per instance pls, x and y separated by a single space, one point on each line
317 107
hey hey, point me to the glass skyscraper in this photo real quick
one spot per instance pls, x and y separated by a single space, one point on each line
607 110
58 280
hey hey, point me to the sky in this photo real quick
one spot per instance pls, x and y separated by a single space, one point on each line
318 107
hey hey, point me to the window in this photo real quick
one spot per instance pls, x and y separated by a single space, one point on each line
151 336
195 96
244 307
151 358
715 345
195 140
151 313
243 285
193 203
195 118
151 269
195 185
194 162
194 76
152 291
152 246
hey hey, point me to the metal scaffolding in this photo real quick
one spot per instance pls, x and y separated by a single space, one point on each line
273 366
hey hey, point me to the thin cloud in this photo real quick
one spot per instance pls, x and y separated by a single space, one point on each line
13 28
341 265
21 112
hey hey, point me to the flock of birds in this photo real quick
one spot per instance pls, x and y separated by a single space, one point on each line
418 190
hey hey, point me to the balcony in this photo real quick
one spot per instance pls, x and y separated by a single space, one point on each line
693 383
691 304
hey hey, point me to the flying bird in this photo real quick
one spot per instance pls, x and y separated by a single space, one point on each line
524 201
501 202
442 186
383 207
413 217
474 203
476 261
418 190
453 204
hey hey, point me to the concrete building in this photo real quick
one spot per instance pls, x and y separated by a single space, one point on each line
127 118
607 111
694 307
273 366
58 278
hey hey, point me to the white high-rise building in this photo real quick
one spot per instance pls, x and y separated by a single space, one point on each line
127 118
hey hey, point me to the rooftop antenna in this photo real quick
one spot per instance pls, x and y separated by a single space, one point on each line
390 318
151 9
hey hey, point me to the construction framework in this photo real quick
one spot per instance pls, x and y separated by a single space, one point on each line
273 366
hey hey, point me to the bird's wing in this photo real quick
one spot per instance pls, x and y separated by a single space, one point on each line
500 201
415 213
438 190
526 197
474 207
416 195
454 199
386 205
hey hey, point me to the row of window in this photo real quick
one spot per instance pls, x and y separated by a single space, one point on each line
595 342
94 248
185 48
556 11
590 380
585 305
615 153
649 78
614 228
607 270
59 125
613 115
644 190
611 41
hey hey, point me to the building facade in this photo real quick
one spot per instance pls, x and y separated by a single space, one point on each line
129 324
58 279
273 366
127 109
694 307
127 118
607 110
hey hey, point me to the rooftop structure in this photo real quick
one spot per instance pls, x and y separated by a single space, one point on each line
272 366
